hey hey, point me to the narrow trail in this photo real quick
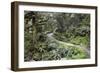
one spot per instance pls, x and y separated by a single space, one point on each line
51 38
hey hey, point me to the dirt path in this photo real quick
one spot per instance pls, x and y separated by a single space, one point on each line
51 38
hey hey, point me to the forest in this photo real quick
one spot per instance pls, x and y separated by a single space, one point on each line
56 36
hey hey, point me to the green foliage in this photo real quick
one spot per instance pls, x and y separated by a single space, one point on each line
76 53
56 36
28 46
80 41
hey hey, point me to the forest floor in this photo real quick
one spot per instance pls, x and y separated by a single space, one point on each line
65 44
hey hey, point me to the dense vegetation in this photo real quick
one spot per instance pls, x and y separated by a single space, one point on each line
56 36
